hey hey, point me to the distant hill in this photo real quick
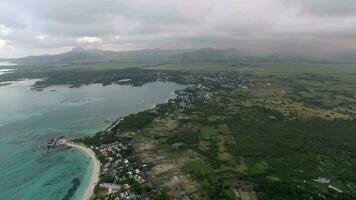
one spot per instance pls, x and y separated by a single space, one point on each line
77 55
81 55
209 54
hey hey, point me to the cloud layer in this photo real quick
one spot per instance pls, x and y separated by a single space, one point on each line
29 27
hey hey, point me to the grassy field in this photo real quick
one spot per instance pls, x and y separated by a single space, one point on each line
291 124
272 136
209 132
272 139
265 68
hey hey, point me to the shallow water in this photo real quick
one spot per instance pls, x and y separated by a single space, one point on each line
27 117
4 71
2 63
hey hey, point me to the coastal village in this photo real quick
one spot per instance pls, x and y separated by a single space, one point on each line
188 147
123 174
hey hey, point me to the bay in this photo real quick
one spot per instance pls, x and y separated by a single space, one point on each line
27 117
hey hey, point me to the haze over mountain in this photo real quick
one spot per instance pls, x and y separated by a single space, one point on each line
79 54
82 55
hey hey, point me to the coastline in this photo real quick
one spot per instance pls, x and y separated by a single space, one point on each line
87 121
94 179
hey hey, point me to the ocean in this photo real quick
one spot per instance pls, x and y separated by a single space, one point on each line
28 117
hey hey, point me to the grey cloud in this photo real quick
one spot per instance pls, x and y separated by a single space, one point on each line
255 25
328 7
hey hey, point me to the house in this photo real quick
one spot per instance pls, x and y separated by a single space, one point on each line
322 180
112 188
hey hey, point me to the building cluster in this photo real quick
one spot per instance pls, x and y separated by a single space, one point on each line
120 170
184 99
211 80
197 93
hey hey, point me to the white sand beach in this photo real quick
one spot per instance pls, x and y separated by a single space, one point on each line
96 169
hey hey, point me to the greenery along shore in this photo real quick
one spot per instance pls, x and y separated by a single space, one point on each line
235 136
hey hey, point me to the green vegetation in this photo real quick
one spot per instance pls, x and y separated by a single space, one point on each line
198 167
209 132
137 121
216 118
270 136
258 168
272 140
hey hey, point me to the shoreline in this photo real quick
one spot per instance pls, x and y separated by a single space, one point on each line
94 179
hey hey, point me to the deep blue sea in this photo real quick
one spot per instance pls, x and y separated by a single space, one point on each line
27 117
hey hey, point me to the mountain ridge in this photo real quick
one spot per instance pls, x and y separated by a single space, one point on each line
79 54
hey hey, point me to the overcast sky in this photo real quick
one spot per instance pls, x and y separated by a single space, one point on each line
30 27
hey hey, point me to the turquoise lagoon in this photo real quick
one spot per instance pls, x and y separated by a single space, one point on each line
27 117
